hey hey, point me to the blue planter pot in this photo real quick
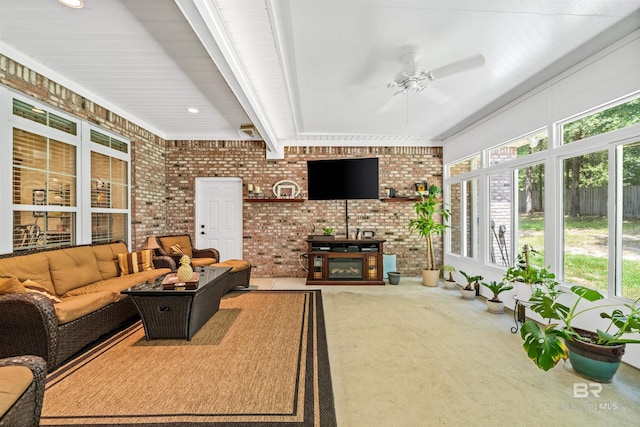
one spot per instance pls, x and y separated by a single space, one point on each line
592 361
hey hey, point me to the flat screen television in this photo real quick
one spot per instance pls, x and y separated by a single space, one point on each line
343 179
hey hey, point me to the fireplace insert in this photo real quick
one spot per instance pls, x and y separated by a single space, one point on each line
345 269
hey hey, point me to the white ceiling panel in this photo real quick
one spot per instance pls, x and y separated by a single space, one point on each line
305 71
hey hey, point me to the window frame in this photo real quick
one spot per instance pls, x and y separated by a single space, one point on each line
83 148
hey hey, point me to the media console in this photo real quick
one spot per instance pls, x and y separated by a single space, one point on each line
345 261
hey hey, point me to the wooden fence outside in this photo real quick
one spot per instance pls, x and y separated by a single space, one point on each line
593 201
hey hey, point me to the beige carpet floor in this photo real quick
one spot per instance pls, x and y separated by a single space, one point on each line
409 356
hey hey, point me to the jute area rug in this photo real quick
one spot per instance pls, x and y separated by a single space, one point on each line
260 360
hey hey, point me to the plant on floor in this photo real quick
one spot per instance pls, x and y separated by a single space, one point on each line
469 290
472 281
449 270
430 221
449 282
544 345
495 304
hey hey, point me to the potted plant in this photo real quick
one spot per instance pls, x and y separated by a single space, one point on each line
449 282
495 304
431 216
328 231
526 277
594 355
469 291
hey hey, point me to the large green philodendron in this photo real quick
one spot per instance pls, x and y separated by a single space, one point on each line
544 345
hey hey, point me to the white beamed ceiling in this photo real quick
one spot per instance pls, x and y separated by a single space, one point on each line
305 72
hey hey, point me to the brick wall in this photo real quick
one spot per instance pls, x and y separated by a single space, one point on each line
163 176
274 233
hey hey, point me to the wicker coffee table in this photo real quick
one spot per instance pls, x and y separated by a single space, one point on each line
180 312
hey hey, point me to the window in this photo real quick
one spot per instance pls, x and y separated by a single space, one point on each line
466 165
586 228
52 161
531 211
610 119
470 197
455 196
500 185
629 219
518 148
44 190
109 189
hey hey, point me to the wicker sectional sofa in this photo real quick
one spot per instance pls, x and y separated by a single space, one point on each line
72 299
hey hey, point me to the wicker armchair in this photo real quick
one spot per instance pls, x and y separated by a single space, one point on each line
26 409
176 246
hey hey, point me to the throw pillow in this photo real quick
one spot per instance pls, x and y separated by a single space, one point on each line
134 262
10 285
37 288
176 249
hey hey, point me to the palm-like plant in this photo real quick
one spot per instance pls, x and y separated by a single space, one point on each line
471 279
497 288
431 218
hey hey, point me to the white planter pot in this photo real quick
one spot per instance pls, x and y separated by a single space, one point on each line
495 307
523 291
468 293
450 285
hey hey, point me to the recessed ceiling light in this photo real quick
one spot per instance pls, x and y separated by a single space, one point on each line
76 4
192 110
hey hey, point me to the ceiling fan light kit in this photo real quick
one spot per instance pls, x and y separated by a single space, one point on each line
415 78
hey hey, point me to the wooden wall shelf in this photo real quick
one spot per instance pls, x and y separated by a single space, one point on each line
400 199
266 200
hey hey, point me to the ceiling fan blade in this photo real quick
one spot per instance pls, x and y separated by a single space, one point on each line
390 103
457 67
436 95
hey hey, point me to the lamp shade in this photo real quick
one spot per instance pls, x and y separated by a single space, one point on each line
150 243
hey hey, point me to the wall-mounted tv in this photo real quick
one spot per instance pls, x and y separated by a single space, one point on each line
343 179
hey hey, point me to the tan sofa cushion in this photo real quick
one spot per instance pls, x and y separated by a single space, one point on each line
14 381
31 286
235 264
10 285
117 284
202 262
184 241
72 268
107 257
34 267
72 308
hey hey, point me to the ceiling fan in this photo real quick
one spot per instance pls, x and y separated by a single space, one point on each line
414 78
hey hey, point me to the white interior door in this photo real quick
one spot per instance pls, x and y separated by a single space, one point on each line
219 216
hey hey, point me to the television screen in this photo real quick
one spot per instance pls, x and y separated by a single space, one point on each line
343 179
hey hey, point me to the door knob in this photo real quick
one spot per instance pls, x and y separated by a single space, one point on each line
202 232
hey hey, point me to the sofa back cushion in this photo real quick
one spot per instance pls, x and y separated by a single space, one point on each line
33 266
183 242
107 257
72 268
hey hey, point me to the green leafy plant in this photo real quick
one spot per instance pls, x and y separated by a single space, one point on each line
523 271
544 345
450 269
328 231
497 288
430 221
471 280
